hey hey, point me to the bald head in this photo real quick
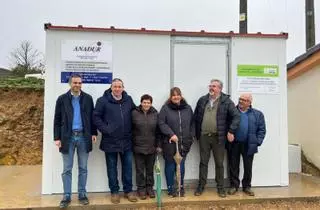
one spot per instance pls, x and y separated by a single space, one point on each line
246 96
245 101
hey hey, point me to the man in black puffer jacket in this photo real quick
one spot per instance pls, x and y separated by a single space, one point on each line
112 116
216 120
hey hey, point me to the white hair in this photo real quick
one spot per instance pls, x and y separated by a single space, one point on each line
218 81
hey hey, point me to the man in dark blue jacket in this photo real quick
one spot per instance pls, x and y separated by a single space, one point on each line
112 116
248 137
73 129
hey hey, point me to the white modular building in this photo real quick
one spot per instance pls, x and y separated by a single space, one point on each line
153 61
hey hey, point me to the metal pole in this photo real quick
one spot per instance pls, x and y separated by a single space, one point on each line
310 29
243 18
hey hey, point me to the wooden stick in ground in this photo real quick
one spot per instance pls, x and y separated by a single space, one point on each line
178 158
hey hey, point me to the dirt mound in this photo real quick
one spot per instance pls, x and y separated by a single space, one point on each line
21 125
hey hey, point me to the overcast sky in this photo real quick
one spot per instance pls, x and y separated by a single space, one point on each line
23 19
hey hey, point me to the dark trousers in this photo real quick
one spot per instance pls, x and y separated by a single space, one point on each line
235 149
208 144
144 170
112 170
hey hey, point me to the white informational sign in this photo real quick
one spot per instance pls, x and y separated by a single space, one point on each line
262 79
92 59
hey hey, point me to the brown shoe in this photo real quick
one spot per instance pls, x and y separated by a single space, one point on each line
199 191
248 191
142 194
150 192
232 191
131 197
115 198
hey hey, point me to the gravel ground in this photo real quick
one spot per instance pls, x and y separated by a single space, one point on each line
296 205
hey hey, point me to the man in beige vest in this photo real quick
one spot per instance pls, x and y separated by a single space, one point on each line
216 120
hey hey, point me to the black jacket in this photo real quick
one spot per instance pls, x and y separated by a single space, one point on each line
228 117
113 120
63 118
145 131
176 120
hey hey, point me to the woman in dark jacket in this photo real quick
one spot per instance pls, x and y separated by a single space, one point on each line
176 123
145 143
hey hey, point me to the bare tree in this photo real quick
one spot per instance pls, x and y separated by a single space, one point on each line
26 59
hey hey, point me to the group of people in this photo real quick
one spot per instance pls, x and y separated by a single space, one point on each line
141 132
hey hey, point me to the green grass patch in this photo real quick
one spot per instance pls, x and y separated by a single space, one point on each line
20 82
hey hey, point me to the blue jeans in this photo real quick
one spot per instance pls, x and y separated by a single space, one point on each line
112 170
170 172
80 143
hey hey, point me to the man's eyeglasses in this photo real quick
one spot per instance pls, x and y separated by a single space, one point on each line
77 83
244 100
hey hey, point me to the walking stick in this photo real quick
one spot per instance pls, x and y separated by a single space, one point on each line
178 158
158 173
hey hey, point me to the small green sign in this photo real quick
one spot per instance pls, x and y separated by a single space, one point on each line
258 71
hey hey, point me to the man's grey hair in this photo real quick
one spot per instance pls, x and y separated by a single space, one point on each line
117 80
218 81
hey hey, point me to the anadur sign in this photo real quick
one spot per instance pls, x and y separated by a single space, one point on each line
92 59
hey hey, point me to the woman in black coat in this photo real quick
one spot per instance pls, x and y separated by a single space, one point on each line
176 123
145 144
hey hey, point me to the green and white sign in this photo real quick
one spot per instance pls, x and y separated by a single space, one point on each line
258 79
